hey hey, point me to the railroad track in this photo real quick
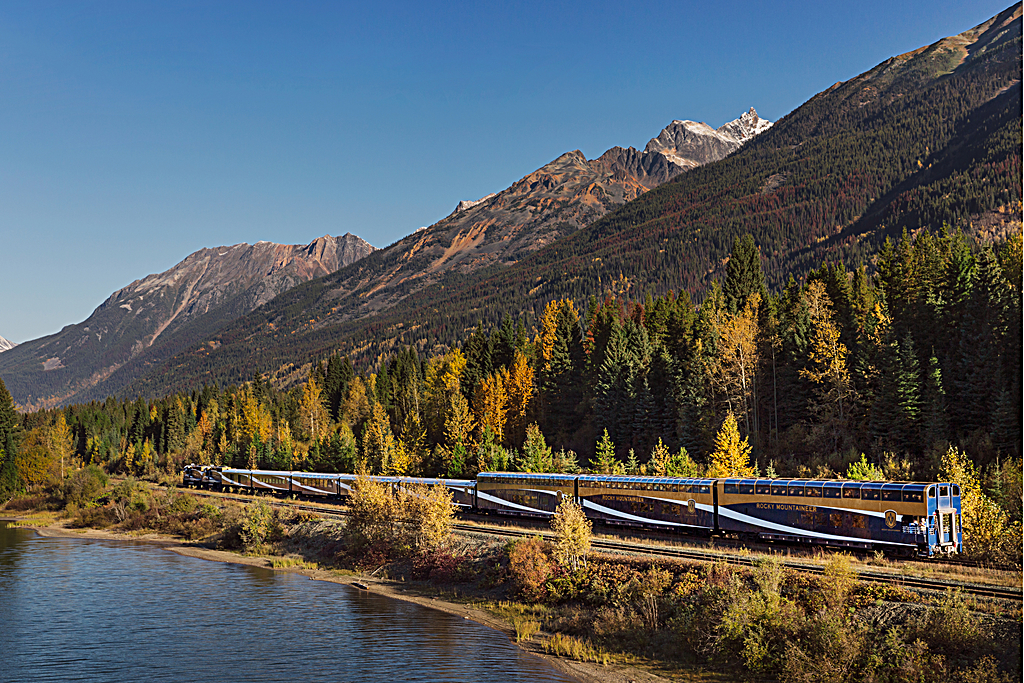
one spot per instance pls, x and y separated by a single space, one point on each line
700 555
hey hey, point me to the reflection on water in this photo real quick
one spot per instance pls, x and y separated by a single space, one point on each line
78 610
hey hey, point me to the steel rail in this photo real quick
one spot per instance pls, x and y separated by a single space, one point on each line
626 547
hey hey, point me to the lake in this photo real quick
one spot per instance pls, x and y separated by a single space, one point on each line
88 610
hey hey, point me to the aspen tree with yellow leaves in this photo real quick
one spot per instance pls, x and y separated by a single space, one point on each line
59 442
519 391
311 411
827 367
740 358
490 403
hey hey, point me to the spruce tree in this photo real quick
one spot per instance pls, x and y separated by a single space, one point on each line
10 482
743 274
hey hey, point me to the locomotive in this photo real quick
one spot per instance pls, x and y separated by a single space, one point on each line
900 518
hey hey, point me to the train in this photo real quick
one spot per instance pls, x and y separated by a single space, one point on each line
907 519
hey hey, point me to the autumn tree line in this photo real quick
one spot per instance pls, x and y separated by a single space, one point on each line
883 367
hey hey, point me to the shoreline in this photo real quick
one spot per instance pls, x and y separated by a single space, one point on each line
582 672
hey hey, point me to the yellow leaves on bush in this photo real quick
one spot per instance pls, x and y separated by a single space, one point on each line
573 530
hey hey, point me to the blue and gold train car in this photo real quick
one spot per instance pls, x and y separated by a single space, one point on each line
463 490
908 517
523 493
659 502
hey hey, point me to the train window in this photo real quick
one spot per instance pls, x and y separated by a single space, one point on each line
762 488
812 491
869 494
797 490
931 491
943 491
705 488
891 494
956 490
778 489
747 488
731 488
851 491
913 496
833 491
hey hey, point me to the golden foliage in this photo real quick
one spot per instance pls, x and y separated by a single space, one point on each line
490 405
573 530
731 457
987 532
827 355
378 441
34 462
519 390
312 415
739 360
357 405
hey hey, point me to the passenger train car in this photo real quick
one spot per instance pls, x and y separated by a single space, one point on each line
897 517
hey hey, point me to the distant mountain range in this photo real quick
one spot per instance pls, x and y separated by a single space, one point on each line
929 137
164 314
161 314
6 345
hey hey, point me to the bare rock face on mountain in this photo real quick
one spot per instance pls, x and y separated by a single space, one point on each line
688 144
162 313
6 345
557 199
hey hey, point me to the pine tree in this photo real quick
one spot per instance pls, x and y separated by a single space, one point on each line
933 402
10 482
908 394
743 275
536 456
604 457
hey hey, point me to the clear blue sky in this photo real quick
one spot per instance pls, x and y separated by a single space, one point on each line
134 133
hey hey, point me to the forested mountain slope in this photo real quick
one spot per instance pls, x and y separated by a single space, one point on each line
155 317
927 137
554 201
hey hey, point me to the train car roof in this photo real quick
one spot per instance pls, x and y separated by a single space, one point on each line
530 475
910 485
630 479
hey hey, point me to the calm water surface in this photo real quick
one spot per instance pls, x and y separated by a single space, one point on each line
78 610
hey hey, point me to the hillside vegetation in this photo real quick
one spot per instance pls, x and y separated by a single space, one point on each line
926 138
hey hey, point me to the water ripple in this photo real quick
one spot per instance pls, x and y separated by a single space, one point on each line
83 610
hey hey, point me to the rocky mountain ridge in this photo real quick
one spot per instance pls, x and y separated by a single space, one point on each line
929 137
164 312
6 345
550 203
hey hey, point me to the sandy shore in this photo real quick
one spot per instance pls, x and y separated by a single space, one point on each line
584 672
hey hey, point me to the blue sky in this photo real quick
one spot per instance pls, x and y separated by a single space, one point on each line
132 134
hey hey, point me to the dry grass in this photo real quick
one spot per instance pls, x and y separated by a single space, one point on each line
525 627
291 562
562 645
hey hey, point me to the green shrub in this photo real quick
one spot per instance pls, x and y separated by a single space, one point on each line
131 499
953 628
83 486
256 526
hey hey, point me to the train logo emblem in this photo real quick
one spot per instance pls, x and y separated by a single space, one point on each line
691 506
890 519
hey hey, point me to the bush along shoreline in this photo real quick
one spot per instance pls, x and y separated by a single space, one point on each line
762 623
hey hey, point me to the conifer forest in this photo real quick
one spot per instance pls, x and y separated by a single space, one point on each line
882 369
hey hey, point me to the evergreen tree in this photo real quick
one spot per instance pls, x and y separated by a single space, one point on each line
743 275
10 482
604 456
